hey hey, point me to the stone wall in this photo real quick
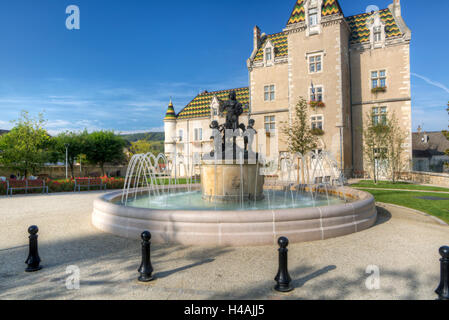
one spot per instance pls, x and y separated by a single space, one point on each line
439 179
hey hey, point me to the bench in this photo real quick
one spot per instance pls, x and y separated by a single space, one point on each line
88 183
25 185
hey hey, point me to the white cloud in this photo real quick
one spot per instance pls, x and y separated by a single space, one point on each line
431 82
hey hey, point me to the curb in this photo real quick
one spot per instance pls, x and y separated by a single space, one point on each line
438 220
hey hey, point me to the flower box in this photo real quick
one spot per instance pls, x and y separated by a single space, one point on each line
378 89
317 104
317 132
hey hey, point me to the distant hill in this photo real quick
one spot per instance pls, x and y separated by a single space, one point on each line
149 136
3 132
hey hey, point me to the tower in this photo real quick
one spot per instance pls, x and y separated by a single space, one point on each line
170 130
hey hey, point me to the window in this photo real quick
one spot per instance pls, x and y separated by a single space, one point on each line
199 134
214 111
377 34
379 79
268 54
317 122
181 134
269 93
316 94
313 17
315 64
270 123
380 115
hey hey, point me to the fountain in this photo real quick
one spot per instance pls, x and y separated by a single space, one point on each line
233 204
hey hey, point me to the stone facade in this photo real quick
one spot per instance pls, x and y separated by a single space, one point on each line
320 55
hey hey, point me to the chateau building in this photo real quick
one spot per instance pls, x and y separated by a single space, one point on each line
347 67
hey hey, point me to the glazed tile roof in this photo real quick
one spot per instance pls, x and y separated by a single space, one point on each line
280 43
171 114
360 31
298 13
200 106
330 7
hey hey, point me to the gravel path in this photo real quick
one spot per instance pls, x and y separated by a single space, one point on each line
403 245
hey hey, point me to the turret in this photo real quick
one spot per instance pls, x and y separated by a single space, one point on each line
170 129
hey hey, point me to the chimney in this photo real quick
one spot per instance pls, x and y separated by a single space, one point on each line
256 38
397 8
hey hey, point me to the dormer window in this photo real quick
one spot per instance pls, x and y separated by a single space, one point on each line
268 54
313 17
377 34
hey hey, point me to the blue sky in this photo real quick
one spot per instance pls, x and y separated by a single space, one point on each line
129 57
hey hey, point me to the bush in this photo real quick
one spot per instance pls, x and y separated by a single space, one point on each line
2 188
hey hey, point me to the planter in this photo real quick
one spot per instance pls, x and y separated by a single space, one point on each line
378 90
317 132
317 104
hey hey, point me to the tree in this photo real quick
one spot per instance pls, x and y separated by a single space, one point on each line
25 147
395 141
375 144
104 147
145 146
76 146
299 135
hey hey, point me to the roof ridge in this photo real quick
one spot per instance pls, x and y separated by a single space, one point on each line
366 13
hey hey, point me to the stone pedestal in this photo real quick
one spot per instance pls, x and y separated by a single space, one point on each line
226 182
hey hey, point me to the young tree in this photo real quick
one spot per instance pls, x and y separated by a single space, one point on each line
76 145
395 141
103 147
25 147
299 134
375 146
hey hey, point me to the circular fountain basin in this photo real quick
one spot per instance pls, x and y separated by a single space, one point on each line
347 211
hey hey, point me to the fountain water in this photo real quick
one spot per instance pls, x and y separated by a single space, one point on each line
233 203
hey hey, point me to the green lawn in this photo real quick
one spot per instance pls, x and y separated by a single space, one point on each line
397 185
439 208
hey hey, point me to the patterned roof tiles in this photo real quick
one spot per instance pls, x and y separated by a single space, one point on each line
330 7
280 43
200 106
298 13
171 114
360 31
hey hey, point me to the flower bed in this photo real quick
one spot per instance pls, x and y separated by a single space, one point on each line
68 185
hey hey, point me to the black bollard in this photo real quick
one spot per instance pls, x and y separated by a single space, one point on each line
443 289
283 278
33 259
146 269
